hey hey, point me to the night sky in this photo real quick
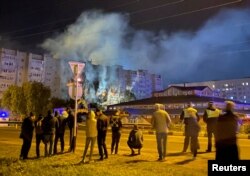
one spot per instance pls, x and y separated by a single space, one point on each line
25 24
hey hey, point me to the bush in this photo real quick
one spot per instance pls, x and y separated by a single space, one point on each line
246 128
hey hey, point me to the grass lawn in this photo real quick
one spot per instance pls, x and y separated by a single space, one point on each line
68 164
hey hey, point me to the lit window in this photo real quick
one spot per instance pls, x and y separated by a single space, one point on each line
226 85
232 98
245 96
213 86
243 84
246 83
227 89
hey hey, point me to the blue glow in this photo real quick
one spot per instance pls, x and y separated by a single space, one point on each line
3 114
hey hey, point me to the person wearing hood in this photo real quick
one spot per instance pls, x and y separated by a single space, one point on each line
102 126
91 134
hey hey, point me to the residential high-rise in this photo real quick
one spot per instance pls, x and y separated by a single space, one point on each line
18 67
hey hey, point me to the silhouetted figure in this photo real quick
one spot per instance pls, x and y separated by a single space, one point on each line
226 139
60 131
210 117
102 126
116 125
27 134
49 128
160 122
39 134
70 122
186 117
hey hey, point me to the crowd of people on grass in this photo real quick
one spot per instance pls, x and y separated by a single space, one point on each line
51 128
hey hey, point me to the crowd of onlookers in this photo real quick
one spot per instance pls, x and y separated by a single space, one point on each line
49 129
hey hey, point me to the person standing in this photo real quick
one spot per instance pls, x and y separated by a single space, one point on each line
39 134
102 126
116 125
225 135
60 130
27 134
70 122
185 116
210 117
193 129
135 140
91 134
49 125
160 122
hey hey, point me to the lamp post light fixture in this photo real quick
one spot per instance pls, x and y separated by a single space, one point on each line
75 93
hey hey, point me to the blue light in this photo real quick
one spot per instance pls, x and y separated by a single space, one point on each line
3 114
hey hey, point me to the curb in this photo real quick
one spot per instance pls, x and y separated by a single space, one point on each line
173 133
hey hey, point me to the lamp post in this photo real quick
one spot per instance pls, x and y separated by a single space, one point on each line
77 68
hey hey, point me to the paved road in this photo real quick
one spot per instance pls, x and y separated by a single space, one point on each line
9 135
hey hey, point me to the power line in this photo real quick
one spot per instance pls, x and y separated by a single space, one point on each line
188 12
156 7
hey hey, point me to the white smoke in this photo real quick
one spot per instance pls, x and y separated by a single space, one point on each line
107 39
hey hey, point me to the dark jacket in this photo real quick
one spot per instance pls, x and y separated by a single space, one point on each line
60 129
102 123
49 125
70 121
115 123
38 125
135 139
226 129
27 129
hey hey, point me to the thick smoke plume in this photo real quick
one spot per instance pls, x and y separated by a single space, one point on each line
218 50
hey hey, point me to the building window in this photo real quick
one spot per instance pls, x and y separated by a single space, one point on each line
246 83
243 84
226 85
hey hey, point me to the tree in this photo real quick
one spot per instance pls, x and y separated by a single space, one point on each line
13 100
37 97
31 97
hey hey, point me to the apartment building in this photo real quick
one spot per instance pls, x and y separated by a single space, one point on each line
234 89
17 67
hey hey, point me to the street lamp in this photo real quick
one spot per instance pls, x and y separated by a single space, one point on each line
76 93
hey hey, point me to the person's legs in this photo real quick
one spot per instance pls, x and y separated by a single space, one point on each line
86 148
38 141
186 139
159 146
113 142
100 144
62 142
209 138
51 143
118 136
104 144
194 144
55 143
164 143
93 139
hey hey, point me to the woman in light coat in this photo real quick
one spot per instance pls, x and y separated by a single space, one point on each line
91 134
